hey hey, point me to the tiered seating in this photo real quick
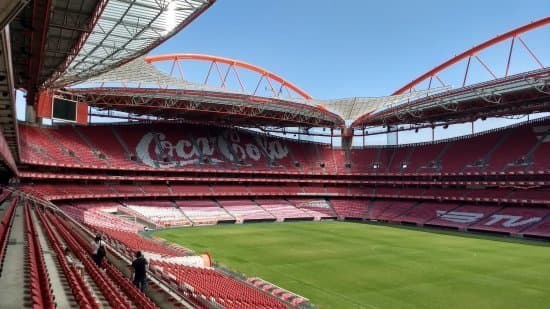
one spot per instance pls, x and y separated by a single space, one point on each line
190 189
390 192
305 155
265 189
350 208
353 190
541 197
127 189
135 242
64 146
467 152
541 229
50 152
487 194
203 211
244 210
511 219
80 290
516 146
118 296
69 139
229 189
340 160
101 219
109 207
155 190
316 207
396 209
377 207
131 212
164 216
291 189
362 159
463 216
314 189
227 291
103 139
281 209
337 190
276 291
5 226
540 156
33 153
425 212
41 294
333 159
408 192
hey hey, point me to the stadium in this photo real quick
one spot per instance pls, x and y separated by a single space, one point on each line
242 190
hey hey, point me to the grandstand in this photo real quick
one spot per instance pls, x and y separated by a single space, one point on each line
191 154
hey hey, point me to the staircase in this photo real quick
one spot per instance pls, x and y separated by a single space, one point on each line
127 152
269 212
370 205
390 161
66 151
91 145
225 210
408 158
440 156
293 158
530 154
487 157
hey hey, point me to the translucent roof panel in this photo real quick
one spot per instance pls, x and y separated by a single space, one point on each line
353 108
125 30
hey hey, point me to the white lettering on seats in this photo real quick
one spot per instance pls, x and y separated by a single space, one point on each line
511 221
253 152
459 216
155 150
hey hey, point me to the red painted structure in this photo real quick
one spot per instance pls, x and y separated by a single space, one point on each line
233 65
472 53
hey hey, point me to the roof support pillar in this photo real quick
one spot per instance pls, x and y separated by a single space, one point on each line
41 11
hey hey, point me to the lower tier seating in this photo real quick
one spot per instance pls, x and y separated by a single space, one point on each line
228 292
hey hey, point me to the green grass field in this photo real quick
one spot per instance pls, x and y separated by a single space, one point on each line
350 265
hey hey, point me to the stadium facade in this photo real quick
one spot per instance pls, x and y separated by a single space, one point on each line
193 154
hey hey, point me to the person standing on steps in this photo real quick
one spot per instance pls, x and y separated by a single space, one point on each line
139 271
98 250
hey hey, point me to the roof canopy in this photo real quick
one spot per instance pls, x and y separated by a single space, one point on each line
123 31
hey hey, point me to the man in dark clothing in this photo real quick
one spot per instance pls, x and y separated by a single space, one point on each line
139 266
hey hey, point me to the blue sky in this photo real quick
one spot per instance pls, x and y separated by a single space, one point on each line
335 49
338 49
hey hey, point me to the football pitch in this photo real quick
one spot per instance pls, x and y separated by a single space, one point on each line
351 265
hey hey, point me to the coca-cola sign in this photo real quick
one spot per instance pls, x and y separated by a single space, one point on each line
155 149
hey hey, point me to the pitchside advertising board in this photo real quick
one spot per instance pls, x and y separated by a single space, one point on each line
58 108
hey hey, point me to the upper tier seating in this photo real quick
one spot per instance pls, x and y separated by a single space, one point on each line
160 146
